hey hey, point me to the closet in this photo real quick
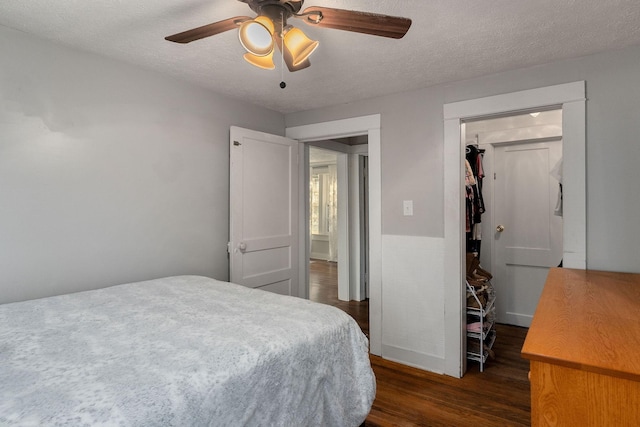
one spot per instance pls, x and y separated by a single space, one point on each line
481 296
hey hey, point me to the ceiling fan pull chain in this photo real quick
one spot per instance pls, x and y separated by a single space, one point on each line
282 83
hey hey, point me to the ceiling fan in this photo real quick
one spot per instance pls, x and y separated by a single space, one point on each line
270 29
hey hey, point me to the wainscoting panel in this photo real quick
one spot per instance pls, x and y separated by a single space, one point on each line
413 300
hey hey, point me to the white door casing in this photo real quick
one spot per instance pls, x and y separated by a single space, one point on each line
263 217
369 125
524 199
571 98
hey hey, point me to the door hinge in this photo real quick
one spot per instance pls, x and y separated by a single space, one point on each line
229 247
494 176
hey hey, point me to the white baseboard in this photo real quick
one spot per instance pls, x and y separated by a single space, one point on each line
426 362
517 319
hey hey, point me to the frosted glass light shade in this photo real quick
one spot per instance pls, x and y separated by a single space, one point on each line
300 46
265 62
256 36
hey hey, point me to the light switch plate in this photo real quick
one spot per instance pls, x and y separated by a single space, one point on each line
407 207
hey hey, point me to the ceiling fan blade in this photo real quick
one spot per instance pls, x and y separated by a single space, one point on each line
358 22
207 30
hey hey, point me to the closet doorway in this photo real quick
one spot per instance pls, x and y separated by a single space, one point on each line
521 228
571 98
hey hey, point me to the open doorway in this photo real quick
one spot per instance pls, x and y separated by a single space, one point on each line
516 227
513 223
338 225
323 226
363 125
323 204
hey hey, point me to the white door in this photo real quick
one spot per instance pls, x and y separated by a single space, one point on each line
263 218
527 233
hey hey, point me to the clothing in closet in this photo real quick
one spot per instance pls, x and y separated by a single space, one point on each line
474 173
556 172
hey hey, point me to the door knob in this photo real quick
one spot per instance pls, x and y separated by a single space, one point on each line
500 228
242 246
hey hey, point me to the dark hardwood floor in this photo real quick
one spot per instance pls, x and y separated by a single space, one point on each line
323 287
407 396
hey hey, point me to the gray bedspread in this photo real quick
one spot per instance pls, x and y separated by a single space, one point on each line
181 351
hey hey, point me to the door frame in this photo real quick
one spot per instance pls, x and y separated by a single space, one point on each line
362 216
571 98
369 125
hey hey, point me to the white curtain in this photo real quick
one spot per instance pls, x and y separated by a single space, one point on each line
332 212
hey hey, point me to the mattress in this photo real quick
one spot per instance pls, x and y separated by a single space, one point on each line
181 351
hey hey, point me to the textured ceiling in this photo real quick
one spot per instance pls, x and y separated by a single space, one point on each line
449 40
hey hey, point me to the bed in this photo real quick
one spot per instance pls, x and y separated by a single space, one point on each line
181 351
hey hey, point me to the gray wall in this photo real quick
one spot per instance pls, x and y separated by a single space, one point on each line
109 173
412 149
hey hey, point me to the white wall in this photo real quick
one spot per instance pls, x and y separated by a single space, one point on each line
109 173
412 154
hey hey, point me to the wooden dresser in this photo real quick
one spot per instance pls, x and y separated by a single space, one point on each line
584 350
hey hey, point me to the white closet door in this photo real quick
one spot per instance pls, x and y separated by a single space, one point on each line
531 242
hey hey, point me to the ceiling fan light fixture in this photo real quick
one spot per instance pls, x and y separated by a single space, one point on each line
256 36
300 46
260 36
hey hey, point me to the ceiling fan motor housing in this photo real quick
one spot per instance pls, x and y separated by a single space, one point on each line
278 8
